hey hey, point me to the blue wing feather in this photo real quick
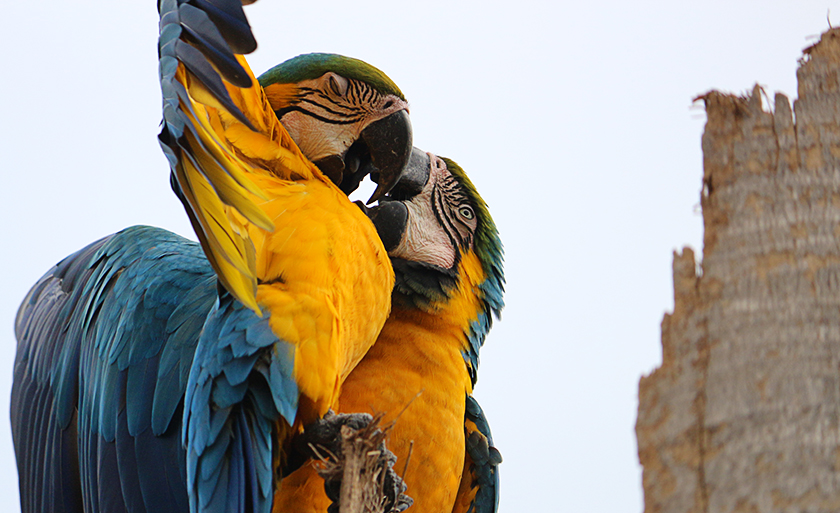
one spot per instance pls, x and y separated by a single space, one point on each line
483 458
108 344
241 372
127 463
106 339
95 417
45 441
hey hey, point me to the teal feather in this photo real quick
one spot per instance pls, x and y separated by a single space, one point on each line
485 461
241 384
107 338
94 327
111 337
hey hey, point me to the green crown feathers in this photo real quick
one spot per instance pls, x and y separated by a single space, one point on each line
313 65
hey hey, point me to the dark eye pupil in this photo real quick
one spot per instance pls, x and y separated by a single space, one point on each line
467 213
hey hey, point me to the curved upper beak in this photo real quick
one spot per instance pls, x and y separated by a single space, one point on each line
382 151
415 176
389 142
390 217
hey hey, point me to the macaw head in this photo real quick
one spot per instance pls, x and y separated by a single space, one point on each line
443 244
344 114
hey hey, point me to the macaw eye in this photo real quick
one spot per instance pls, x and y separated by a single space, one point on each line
466 212
337 83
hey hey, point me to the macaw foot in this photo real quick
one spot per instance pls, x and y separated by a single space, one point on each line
357 468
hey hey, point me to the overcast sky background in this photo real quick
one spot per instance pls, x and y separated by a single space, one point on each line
576 123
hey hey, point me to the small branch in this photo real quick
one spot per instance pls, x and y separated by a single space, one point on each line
360 488
363 468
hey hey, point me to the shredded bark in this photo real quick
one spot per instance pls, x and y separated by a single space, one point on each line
359 472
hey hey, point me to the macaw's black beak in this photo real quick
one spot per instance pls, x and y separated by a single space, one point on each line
389 143
415 177
390 219
382 150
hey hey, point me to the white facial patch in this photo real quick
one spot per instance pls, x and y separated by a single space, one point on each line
318 139
424 239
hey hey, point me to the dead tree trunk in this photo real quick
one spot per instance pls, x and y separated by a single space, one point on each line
744 413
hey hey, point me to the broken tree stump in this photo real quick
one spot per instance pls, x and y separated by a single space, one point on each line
743 415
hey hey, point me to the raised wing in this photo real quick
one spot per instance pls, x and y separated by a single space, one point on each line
105 342
479 491
219 132
322 275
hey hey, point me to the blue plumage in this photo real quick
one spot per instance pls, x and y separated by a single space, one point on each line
93 408
485 460
241 383
114 342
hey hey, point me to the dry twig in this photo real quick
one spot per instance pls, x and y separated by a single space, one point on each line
359 472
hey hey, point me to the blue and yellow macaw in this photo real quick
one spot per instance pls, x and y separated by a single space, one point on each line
447 257
155 374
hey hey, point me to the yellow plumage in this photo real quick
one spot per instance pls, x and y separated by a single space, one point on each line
285 239
415 374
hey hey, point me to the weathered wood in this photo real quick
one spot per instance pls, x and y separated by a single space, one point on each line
359 463
744 413
355 479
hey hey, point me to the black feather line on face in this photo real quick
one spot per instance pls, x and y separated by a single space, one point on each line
282 112
443 215
345 113
352 109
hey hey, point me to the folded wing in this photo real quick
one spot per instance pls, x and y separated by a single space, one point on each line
105 341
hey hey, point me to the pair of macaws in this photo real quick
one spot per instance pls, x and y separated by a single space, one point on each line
155 374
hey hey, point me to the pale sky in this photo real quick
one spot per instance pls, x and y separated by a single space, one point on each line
576 123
